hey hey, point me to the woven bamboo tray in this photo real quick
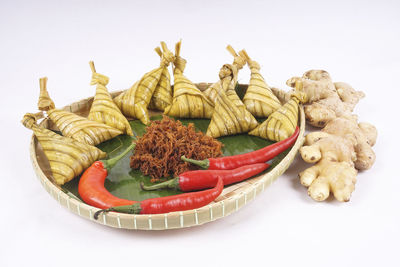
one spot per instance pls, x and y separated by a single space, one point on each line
232 198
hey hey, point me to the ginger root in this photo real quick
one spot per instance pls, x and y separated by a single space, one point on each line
343 146
326 100
326 176
334 170
361 135
339 150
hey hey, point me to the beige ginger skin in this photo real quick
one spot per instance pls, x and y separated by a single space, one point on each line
334 169
343 146
339 150
326 100
362 136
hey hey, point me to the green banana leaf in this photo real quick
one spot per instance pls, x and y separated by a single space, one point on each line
124 182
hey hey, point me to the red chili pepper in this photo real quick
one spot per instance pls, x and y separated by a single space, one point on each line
91 185
92 191
186 201
258 156
201 179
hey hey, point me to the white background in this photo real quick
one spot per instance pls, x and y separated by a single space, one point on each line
356 41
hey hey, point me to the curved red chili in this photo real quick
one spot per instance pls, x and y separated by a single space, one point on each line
91 185
186 201
258 156
201 179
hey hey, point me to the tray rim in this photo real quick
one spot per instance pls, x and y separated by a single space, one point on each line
173 220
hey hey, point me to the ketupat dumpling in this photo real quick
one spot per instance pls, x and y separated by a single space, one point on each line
230 114
188 100
229 119
67 158
104 109
72 125
162 96
281 123
225 78
228 76
134 102
238 63
232 95
259 99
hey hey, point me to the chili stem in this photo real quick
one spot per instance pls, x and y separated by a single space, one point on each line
130 209
172 184
108 164
201 163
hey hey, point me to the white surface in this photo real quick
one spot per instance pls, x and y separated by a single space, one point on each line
357 42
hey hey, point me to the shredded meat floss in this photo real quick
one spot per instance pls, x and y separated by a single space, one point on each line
158 152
